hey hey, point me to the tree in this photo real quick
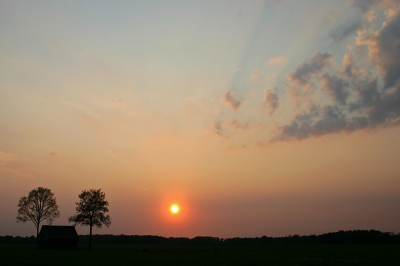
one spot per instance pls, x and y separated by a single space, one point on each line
91 211
40 205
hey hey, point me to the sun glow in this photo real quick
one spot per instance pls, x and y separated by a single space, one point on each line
174 208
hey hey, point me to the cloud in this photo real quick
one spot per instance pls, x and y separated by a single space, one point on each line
384 49
300 80
336 88
345 31
271 100
218 131
367 5
358 97
231 100
393 10
332 120
311 67
236 124
278 60
381 108
368 96
373 108
364 5
332 15
369 8
350 68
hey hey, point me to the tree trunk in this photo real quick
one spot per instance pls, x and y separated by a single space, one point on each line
90 238
37 234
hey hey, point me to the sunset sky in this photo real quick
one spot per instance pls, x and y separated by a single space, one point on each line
255 117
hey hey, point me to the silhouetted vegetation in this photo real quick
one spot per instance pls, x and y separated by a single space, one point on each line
39 206
28 240
91 210
337 238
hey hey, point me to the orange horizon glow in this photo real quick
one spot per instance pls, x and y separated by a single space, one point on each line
174 209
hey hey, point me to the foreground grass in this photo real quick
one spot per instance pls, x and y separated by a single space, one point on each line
204 255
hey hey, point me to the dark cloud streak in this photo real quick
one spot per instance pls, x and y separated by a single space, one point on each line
236 124
372 110
271 100
364 5
343 32
384 49
231 100
336 88
313 66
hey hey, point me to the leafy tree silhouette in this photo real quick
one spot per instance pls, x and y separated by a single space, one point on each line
40 205
91 211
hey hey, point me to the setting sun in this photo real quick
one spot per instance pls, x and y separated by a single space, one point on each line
174 208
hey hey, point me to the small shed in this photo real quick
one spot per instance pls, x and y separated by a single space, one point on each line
57 237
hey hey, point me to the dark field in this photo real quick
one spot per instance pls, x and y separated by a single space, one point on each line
204 255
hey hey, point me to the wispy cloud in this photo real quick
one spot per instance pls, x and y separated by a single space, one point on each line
236 124
345 31
217 130
278 60
271 101
15 166
231 100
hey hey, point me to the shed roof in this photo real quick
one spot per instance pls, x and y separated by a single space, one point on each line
57 232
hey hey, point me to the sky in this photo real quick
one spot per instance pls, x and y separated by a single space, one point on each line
255 117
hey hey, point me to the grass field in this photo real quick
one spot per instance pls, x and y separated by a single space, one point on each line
204 255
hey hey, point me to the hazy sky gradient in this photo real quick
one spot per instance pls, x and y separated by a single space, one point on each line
256 117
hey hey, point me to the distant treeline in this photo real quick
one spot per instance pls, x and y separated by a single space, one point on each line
337 238
17 240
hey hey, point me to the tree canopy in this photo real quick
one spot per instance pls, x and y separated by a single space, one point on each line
91 210
40 205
